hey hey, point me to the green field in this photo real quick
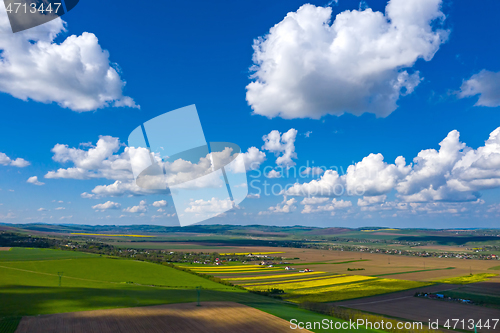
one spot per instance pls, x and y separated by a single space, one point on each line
26 254
473 278
31 287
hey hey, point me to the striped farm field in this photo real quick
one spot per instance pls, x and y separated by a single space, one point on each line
266 277
259 272
228 269
467 279
292 280
248 253
222 268
353 290
294 286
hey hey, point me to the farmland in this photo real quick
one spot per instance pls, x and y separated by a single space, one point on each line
418 309
467 279
112 278
28 254
31 287
307 287
188 318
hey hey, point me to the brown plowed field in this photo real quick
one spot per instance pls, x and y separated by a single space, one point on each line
405 306
211 317
5 248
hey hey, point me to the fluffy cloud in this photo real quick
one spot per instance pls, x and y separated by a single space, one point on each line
486 84
314 171
141 208
161 203
453 173
9 215
372 176
104 161
253 158
307 67
34 180
367 201
98 161
75 73
313 201
18 162
330 184
282 146
107 205
432 173
118 189
60 208
253 196
213 205
41 209
286 206
334 205
273 174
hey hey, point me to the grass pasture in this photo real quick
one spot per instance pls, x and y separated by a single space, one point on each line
28 254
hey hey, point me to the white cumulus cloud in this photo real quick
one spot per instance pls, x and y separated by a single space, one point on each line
273 174
486 84
286 206
107 205
308 66
331 207
141 208
99 161
453 173
282 145
160 203
214 205
314 171
18 162
75 74
34 180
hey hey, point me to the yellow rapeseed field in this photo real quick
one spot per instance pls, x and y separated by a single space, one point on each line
243 272
227 269
467 279
222 267
293 286
247 253
293 280
272 276
353 290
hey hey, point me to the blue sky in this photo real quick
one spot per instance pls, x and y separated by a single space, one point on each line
201 53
